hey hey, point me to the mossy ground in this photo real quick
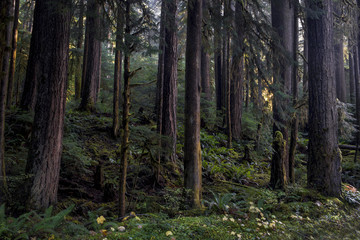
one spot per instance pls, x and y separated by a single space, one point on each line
237 201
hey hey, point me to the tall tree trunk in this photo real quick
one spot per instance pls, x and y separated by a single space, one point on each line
217 54
85 57
29 94
357 92
339 54
79 44
170 81
294 88
352 76
324 172
205 74
160 85
306 65
192 151
124 155
226 67
117 72
6 17
52 24
205 56
247 84
9 100
340 71
236 98
91 80
282 15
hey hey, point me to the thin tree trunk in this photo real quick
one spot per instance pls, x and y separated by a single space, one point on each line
117 73
205 56
357 92
340 71
80 39
247 84
85 57
192 151
52 24
160 85
236 98
294 87
217 55
352 77
9 101
29 94
91 80
324 171
226 68
124 155
306 66
339 54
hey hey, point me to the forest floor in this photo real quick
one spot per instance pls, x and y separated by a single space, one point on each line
237 203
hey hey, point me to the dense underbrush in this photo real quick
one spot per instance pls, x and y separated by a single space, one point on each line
237 203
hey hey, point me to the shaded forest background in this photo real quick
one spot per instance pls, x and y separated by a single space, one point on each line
207 119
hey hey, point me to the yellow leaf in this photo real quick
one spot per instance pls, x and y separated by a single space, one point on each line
103 232
100 220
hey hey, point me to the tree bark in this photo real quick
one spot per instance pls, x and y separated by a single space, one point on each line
92 74
79 44
205 56
170 82
160 85
339 54
357 92
9 100
217 22
227 25
6 17
306 66
236 98
352 77
294 88
340 71
117 73
85 57
29 94
124 155
52 25
192 151
282 15
324 172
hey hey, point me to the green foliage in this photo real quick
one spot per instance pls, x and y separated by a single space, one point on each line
220 162
221 202
96 221
32 224
257 130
